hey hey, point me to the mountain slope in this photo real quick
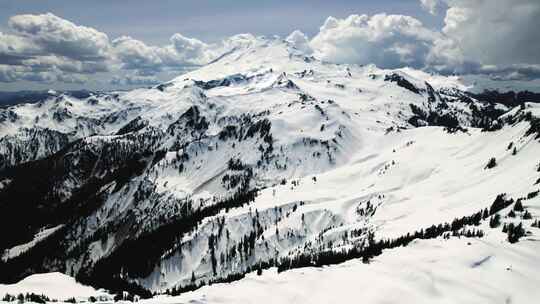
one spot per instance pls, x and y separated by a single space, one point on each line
487 270
261 156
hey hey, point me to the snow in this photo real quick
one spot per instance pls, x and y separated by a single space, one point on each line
424 176
414 177
487 270
19 249
54 285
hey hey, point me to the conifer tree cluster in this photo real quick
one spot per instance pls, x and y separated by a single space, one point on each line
27 297
500 203
371 248
514 232
492 163
495 221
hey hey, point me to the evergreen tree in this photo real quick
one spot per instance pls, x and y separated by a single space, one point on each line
492 163
495 221
9 298
515 232
500 203
485 214
518 206
259 270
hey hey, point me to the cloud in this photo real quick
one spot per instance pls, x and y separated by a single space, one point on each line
14 49
52 62
59 36
8 73
12 73
497 37
44 77
495 31
299 41
135 80
46 48
389 41
72 78
134 54
432 6
238 41
190 49
43 47
510 72
148 60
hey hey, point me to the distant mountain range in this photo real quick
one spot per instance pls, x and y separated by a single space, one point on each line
18 97
267 158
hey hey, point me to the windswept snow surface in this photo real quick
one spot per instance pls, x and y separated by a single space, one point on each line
487 270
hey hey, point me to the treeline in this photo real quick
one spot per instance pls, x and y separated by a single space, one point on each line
82 202
371 248
125 158
374 248
509 98
28 297
138 257
514 232
43 299
35 198
192 285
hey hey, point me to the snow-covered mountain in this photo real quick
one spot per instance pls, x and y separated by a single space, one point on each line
263 158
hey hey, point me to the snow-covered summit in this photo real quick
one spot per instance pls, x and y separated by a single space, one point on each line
264 157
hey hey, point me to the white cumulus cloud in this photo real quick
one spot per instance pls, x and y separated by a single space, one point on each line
432 6
388 41
59 36
492 37
135 54
299 41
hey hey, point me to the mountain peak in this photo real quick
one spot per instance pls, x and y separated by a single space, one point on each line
264 157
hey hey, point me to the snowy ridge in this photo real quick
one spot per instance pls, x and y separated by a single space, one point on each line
262 155
53 285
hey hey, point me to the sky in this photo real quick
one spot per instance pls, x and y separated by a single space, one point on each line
103 44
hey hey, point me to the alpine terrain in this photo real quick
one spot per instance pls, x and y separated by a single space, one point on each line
270 175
